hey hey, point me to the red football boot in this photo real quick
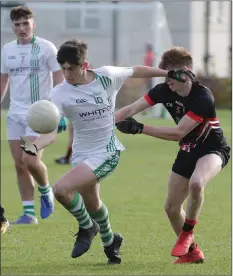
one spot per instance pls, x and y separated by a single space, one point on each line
195 256
183 244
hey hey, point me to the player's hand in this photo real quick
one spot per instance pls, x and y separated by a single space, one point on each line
28 146
130 126
62 126
181 75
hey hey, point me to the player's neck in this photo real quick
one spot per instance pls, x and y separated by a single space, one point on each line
86 78
23 41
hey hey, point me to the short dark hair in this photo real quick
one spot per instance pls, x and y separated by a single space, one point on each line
72 52
21 11
176 57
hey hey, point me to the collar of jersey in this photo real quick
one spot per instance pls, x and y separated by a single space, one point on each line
32 40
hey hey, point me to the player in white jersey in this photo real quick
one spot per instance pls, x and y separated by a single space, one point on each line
65 159
29 64
87 98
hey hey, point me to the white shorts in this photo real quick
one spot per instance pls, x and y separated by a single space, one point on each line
102 164
17 126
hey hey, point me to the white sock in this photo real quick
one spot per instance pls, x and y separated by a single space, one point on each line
45 190
29 208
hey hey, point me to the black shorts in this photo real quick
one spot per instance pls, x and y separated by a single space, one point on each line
185 162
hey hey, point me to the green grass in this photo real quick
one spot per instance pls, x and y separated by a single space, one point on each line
135 196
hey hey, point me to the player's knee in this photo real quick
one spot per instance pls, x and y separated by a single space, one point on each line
20 166
30 161
196 187
59 191
171 208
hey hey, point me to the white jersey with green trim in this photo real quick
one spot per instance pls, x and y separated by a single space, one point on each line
91 110
30 68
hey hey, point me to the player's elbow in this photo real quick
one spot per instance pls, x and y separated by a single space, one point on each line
53 140
53 137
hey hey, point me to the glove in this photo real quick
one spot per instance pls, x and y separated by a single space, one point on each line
177 75
28 146
130 126
62 126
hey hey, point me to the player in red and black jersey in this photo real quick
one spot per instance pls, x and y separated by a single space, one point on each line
203 147
198 106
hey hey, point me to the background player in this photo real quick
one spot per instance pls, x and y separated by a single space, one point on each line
87 98
149 60
29 64
203 148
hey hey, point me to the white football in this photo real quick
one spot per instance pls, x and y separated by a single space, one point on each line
43 117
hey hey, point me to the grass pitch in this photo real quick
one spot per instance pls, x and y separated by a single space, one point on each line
135 196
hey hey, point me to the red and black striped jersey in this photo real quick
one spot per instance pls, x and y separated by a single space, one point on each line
198 105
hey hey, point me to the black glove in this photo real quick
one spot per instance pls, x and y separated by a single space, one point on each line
130 126
177 75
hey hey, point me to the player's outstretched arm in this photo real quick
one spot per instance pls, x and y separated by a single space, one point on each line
151 72
186 124
4 85
141 71
131 110
45 140
41 142
176 133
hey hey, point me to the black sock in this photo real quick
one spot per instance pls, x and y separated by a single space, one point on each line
189 225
